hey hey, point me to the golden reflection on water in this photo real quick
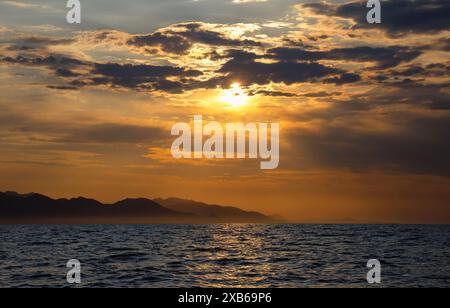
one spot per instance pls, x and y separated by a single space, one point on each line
235 258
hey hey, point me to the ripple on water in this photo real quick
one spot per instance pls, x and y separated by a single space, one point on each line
224 255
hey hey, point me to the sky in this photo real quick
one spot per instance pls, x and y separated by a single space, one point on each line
364 110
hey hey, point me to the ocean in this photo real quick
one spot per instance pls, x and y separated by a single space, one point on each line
228 255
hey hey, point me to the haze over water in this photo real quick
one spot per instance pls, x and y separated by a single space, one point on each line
230 255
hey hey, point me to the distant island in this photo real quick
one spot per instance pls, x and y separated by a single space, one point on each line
35 208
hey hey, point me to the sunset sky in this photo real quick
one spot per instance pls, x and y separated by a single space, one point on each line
364 109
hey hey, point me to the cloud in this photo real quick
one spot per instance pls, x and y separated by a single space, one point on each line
143 77
442 44
417 145
37 42
52 61
196 55
416 95
75 132
169 43
287 66
115 133
385 57
147 77
45 28
399 17
321 94
196 32
63 72
247 71
129 71
272 93
26 5
61 65
431 70
344 79
64 88
180 38
4 29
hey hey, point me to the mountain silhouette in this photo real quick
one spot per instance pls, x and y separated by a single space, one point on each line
209 211
35 208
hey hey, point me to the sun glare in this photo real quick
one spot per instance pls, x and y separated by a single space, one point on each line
235 96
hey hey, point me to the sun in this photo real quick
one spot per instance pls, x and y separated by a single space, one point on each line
235 96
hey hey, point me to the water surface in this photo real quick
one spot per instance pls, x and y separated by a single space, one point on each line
225 255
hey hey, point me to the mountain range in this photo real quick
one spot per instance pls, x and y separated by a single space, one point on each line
35 208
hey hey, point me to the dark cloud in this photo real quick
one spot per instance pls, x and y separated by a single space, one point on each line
248 71
439 103
294 43
136 71
414 85
66 88
321 94
63 66
399 17
423 96
144 76
169 43
344 79
420 146
119 71
431 70
62 72
287 65
272 93
195 33
385 57
318 38
442 44
297 65
181 40
54 61
37 42
235 54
